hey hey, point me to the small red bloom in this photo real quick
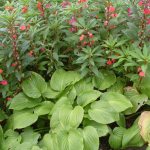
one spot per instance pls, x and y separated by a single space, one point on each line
23 27
1 71
8 98
24 9
82 37
114 15
82 1
109 62
14 36
148 21
48 6
140 3
141 74
30 53
14 64
90 35
111 9
139 69
146 11
4 82
105 23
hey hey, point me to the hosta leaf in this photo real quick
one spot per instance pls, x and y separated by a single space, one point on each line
100 113
34 86
21 101
23 118
64 116
132 137
117 101
136 99
72 95
106 81
75 140
76 116
49 142
83 86
88 97
90 138
30 136
44 108
115 139
102 129
51 94
12 140
61 79
70 118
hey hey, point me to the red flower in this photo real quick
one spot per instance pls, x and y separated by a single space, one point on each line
14 64
8 98
23 27
14 36
24 9
48 6
82 1
1 71
4 82
30 53
111 9
141 74
105 23
146 11
114 15
148 21
109 62
90 35
82 37
140 3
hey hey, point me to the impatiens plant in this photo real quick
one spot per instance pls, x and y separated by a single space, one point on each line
74 72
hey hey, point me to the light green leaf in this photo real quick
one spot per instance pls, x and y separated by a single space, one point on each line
117 101
115 139
50 142
23 118
44 108
75 140
61 79
51 94
83 86
90 138
87 97
132 137
102 129
21 101
100 113
106 81
76 116
34 86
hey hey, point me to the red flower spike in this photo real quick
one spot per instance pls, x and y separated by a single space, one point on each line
82 37
8 98
111 9
109 62
1 71
23 27
146 11
4 82
142 74
14 36
140 3
24 9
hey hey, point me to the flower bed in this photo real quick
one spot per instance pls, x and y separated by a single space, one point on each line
73 73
